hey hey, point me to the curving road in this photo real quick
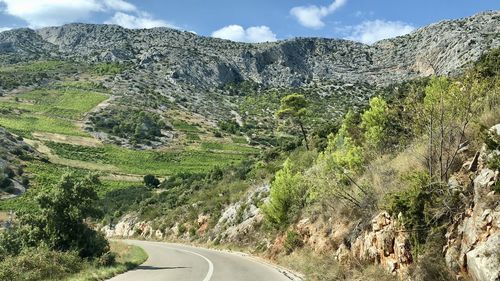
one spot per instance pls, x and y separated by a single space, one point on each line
184 263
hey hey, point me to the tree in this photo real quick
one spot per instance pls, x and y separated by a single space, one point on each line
374 121
287 196
151 181
447 112
293 107
61 222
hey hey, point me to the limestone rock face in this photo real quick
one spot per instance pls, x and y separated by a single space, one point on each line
203 62
386 244
240 218
473 244
483 262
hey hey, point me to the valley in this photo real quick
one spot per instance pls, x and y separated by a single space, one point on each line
335 159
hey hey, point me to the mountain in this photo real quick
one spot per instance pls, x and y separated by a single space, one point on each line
442 48
163 69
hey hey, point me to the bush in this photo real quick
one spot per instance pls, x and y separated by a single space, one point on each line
39 264
107 259
292 241
151 181
411 204
60 220
287 197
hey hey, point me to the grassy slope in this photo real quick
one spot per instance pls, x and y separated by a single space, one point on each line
128 257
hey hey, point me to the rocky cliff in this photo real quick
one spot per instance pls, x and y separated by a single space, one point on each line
473 245
177 56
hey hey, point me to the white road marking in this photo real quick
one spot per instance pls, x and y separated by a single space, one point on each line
210 264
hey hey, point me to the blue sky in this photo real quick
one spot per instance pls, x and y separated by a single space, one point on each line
248 21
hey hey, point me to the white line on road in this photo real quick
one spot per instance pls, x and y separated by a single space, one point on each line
210 264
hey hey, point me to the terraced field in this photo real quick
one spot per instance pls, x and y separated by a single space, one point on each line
51 117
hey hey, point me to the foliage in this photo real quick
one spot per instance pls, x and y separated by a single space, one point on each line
41 263
60 221
230 126
293 107
108 68
332 174
374 122
151 181
143 162
411 204
287 197
447 110
292 241
137 125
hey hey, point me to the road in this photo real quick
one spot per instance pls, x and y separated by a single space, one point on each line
184 263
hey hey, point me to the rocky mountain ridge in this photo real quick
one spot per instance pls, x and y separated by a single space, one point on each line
183 57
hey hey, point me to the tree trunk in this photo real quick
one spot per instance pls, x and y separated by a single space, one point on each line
304 134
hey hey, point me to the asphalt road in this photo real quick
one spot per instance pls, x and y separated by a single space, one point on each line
173 262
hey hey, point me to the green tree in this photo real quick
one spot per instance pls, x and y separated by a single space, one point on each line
294 108
151 181
374 121
287 196
61 222
448 109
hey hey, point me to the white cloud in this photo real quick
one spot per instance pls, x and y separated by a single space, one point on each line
120 5
312 16
51 12
142 20
2 29
40 13
253 34
369 32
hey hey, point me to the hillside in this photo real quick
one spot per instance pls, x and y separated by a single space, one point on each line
13 153
341 160
176 73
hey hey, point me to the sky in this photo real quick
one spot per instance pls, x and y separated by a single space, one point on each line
365 21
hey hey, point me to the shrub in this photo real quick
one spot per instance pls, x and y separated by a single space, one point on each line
374 122
35 264
292 241
287 197
411 204
60 220
151 181
107 259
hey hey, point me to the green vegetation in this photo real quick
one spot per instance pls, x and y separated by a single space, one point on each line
22 74
70 103
43 264
141 127
52 110
108 68
154 162
293 107
127 257
286 198
151 181
58 221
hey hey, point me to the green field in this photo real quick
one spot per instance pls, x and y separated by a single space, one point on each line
48 110
60 106
160 163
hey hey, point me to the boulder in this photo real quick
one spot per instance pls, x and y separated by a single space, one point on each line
483 263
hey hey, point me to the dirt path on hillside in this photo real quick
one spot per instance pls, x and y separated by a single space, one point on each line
74 140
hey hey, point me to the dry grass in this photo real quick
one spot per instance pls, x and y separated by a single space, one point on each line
83 141
384 174
319 267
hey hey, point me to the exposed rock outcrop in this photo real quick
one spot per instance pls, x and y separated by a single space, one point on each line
13 151
386 244
473 245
